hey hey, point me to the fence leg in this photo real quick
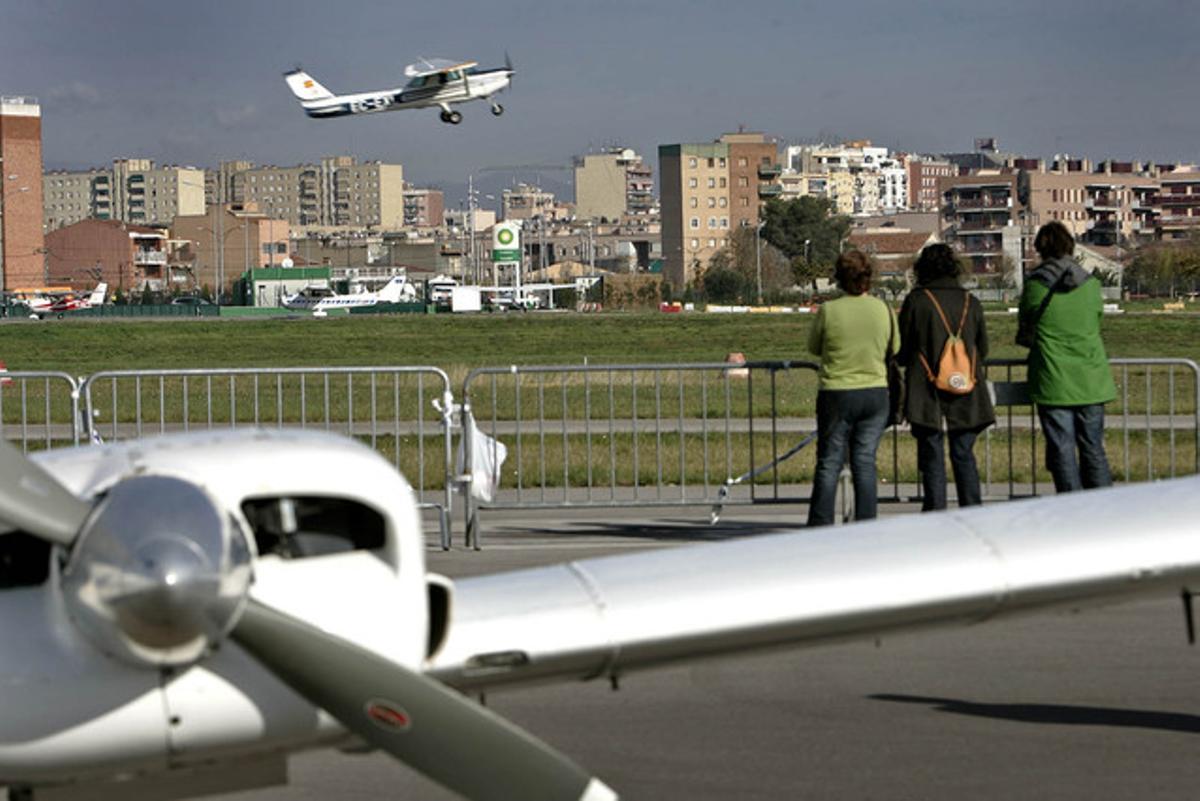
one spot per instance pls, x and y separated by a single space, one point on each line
444 527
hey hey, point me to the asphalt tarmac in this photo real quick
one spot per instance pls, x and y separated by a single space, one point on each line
1058 706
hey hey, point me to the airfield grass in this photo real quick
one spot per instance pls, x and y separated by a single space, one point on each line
657 456
456 343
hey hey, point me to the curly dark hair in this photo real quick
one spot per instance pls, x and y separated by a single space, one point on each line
1053 241
936 261
853 272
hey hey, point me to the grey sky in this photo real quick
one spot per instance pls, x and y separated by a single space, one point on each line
197 82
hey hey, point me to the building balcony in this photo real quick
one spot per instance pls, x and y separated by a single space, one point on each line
1175 200
769 170
981 225
1099 202
1178 221
147 257
980 203
769 190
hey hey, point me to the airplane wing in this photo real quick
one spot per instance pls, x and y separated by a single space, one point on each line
603 617
432 66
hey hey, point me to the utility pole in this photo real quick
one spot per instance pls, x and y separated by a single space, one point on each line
758 258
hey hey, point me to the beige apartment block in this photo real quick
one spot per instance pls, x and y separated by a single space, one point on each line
338 192
613 185
133 190
227 241
708 190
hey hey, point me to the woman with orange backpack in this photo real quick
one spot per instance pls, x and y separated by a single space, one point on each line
943 346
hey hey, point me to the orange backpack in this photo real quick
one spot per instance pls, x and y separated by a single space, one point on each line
956 368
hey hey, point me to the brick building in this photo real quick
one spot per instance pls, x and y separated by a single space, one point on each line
127 257
22 247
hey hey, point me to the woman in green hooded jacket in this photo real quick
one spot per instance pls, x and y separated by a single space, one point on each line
1069 377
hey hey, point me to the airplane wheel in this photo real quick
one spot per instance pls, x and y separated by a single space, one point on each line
446 116
497 109
455 118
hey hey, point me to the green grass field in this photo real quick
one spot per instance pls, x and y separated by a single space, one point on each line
458 342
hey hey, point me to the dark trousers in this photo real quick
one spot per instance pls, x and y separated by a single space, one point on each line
932 463
852 418
1068 428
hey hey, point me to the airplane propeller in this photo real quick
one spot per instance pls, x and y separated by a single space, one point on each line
159 573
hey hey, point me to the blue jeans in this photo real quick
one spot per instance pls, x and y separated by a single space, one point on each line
932 463
854 418
1067 428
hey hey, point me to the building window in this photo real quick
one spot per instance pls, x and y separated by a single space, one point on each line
695 244
710 163
742 161
712 202
692 184
721 163
723 182
744 202
712 183
743 181
692 163
724 222
693 202
712 222
724 202
712 243
694 222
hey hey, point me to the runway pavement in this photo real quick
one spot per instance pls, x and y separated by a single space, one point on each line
1059 706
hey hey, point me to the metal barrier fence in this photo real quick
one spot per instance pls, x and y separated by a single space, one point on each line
404 413
632 434
39 409
723 434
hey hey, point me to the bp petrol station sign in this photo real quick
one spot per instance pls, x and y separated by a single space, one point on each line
506 244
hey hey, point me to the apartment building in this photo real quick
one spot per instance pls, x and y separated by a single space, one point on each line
338 192
856 177
525 201
1178 203
982 219
613 185
21 244
707 191
126 256
923 175
230 240
424 208
132 190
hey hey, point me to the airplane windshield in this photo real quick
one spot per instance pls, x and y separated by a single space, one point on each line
303 527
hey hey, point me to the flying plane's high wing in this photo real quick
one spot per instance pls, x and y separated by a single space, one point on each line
603 617
431 66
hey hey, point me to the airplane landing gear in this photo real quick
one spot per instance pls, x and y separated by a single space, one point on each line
497 109
452 117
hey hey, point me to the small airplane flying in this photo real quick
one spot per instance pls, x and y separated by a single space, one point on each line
432 82
320 300
187 610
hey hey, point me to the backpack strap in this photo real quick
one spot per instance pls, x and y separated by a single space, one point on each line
941 313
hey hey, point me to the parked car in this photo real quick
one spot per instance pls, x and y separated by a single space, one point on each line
190 300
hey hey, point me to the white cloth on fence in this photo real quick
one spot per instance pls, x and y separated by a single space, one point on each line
487 458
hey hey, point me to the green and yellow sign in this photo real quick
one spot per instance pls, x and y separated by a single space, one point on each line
506 243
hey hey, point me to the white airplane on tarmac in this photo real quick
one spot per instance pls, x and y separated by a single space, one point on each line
320 300
180 613
432 82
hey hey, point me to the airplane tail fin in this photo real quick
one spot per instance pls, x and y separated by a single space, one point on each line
98 294
394 290
304 87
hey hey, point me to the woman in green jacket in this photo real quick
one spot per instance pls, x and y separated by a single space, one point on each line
1069 377
851 335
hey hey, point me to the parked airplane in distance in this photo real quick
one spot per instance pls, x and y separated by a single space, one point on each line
321 299
46 302
432 82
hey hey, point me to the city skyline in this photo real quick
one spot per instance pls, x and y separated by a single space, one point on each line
195 84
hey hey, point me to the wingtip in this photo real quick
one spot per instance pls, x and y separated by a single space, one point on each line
597 790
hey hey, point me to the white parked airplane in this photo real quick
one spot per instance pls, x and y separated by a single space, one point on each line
183 612
432 82
321 299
